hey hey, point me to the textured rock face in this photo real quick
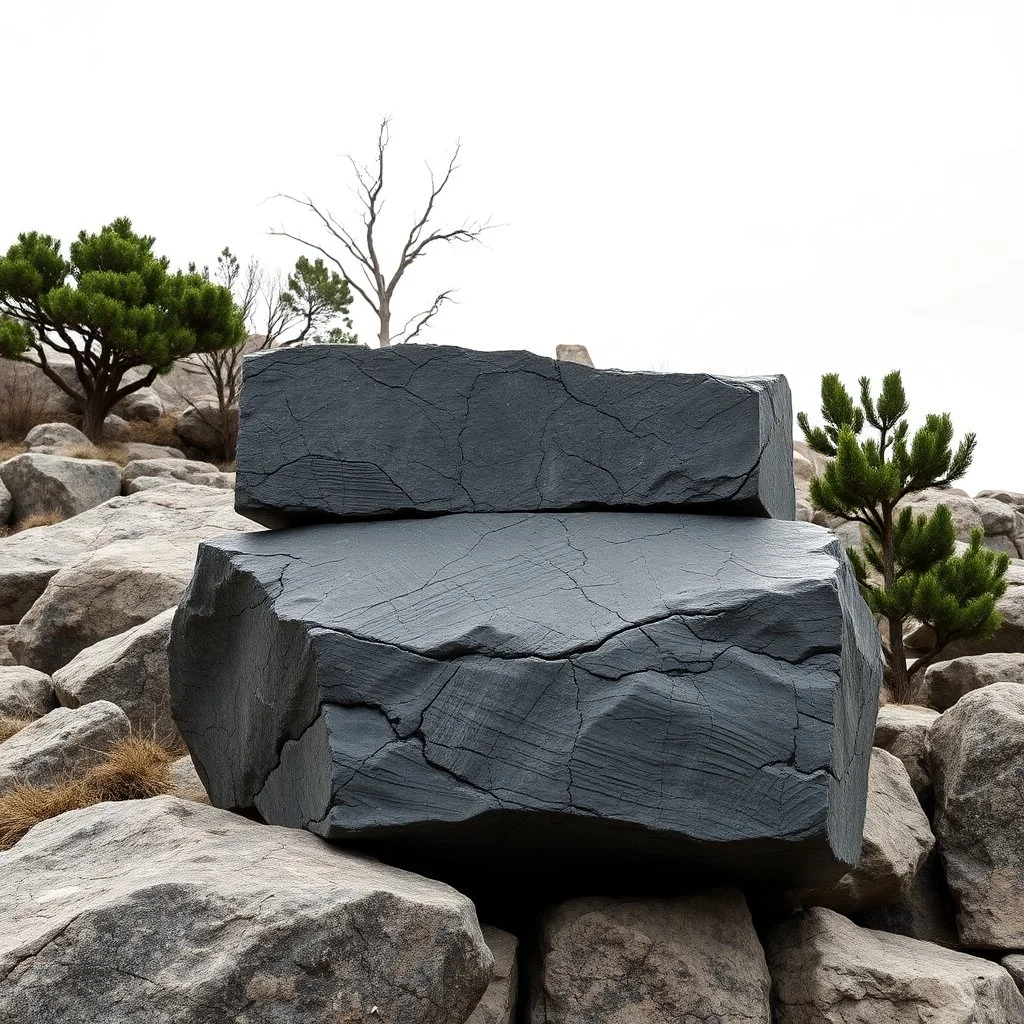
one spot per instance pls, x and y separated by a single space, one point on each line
178 512
48 483
230 921
62 741
650 962
24 691
599 687
6 504
897 839
946 682
144 404
977 751
129 669
826 970
186 470
902 729
462 431
498 1005
53 436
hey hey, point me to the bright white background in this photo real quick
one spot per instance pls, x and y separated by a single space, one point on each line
734 187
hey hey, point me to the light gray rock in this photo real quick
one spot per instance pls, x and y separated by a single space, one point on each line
186 781
100 595
653 688
430 428
24 691
115 428
902 729
63 741
1002 525
186 470
50 483
144 404
129 669
573 354
1014 963
6 504
200 427
1012 498
222 481
897 839
56 436
138 450
178 512
6 658
228 920
977 757
657 961
1008 638
826 970
498 1005
945 682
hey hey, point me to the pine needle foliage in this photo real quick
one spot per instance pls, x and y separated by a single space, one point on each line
909 568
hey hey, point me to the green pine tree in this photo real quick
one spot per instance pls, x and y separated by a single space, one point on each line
111 306
909 567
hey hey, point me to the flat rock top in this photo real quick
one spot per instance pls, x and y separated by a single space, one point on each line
335 432
544 585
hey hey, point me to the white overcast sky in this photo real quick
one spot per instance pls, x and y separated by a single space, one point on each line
732 187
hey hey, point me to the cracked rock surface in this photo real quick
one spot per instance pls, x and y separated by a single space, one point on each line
168 910
601 688
340 432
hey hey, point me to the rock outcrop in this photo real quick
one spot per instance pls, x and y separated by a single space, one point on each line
227 920
498 1005
25 691
977 753
946 682
902 729
461 431
45 484
595 687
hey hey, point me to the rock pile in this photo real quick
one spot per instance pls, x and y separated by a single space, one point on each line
559 693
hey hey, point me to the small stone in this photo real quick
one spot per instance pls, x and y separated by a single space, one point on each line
24 691
45 484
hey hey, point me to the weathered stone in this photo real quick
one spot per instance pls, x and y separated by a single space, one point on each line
574 354
129 669
56 436
24 691
1002 525
620 686
925 912
977 756
826 970
29 560
1008 638
186 781
425 428
201 427
897 839
168 910
902 729
144 404
222 481
946 682
64 741
103 593
661 961
6 658
1012 498
115 428
41 484
138 450
6 504
186 470
498 1005
1014 963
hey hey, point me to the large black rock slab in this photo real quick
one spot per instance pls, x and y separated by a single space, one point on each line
539 692
345 432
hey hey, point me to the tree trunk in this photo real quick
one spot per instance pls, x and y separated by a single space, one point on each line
901 685
384 335
94 413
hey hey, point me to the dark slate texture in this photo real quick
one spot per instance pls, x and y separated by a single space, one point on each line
539 692
346 432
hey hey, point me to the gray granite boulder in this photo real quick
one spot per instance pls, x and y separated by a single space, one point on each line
341 431
24 691
902 729
6 504
53 437
945 682
167 910
498 1005
551 689
186 470
41 484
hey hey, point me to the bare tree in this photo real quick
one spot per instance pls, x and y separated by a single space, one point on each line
358 259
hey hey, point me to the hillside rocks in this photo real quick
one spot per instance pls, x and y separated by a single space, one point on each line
498 1005
187 470
230 920
663 687
6 504
977 753
62 741
103 593
897 839
946 682
43 484
826 970
129 669
179 513
199 427
460 431
53 438
24 691
696 958
1002 525
902 729
144 404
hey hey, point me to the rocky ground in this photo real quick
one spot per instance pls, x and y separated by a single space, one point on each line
207 915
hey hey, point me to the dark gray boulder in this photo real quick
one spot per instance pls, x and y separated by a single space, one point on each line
543 692
343 432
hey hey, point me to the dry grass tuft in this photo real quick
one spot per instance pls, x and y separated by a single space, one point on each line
26 400
11 724
47 517
133 769
158 431
8 449
111 452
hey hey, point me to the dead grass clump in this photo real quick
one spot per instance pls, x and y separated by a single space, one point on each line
8 449
159 431
11 724
22 806
133 769
47 517
26 400
107 452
